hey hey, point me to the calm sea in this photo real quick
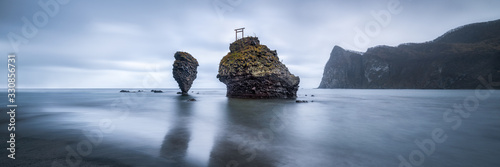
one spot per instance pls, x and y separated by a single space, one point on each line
337 127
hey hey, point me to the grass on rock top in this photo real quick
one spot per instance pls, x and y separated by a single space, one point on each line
257 60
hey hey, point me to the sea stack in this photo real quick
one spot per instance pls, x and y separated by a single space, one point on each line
184 70
252 70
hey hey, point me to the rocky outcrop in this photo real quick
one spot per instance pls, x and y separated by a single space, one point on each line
343 70
452 61
252 70
184 70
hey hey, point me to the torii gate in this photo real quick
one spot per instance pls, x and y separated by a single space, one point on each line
240 30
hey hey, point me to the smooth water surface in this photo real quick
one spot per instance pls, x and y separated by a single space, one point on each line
338 127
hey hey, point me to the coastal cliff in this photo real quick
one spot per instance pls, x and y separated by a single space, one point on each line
454 60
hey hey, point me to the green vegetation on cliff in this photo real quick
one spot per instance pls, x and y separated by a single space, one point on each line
247 56
251 70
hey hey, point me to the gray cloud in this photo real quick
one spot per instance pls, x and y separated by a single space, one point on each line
126 43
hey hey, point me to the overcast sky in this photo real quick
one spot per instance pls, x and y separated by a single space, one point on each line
130 44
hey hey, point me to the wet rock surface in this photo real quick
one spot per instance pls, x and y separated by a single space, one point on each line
252 70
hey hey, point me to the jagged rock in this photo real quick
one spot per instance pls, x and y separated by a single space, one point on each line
184 70
252 70
454 60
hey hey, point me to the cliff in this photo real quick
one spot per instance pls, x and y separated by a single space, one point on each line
252 70
454 60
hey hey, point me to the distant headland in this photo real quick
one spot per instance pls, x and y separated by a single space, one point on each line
463 58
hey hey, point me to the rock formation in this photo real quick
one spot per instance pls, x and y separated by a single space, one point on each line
251 70
184 70
453 61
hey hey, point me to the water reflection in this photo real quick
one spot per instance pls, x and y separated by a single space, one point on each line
340 128
176 142
253 135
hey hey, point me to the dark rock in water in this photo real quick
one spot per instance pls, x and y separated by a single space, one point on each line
251 70
191 100
454 60
124 91
184 70
156 91
179 93
302 101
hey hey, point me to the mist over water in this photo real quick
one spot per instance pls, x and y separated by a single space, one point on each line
338 127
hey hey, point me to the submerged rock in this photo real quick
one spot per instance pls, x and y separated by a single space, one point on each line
184 70
251 70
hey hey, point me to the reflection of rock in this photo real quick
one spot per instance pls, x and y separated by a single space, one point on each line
242 142
184 70
251 70
176 142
